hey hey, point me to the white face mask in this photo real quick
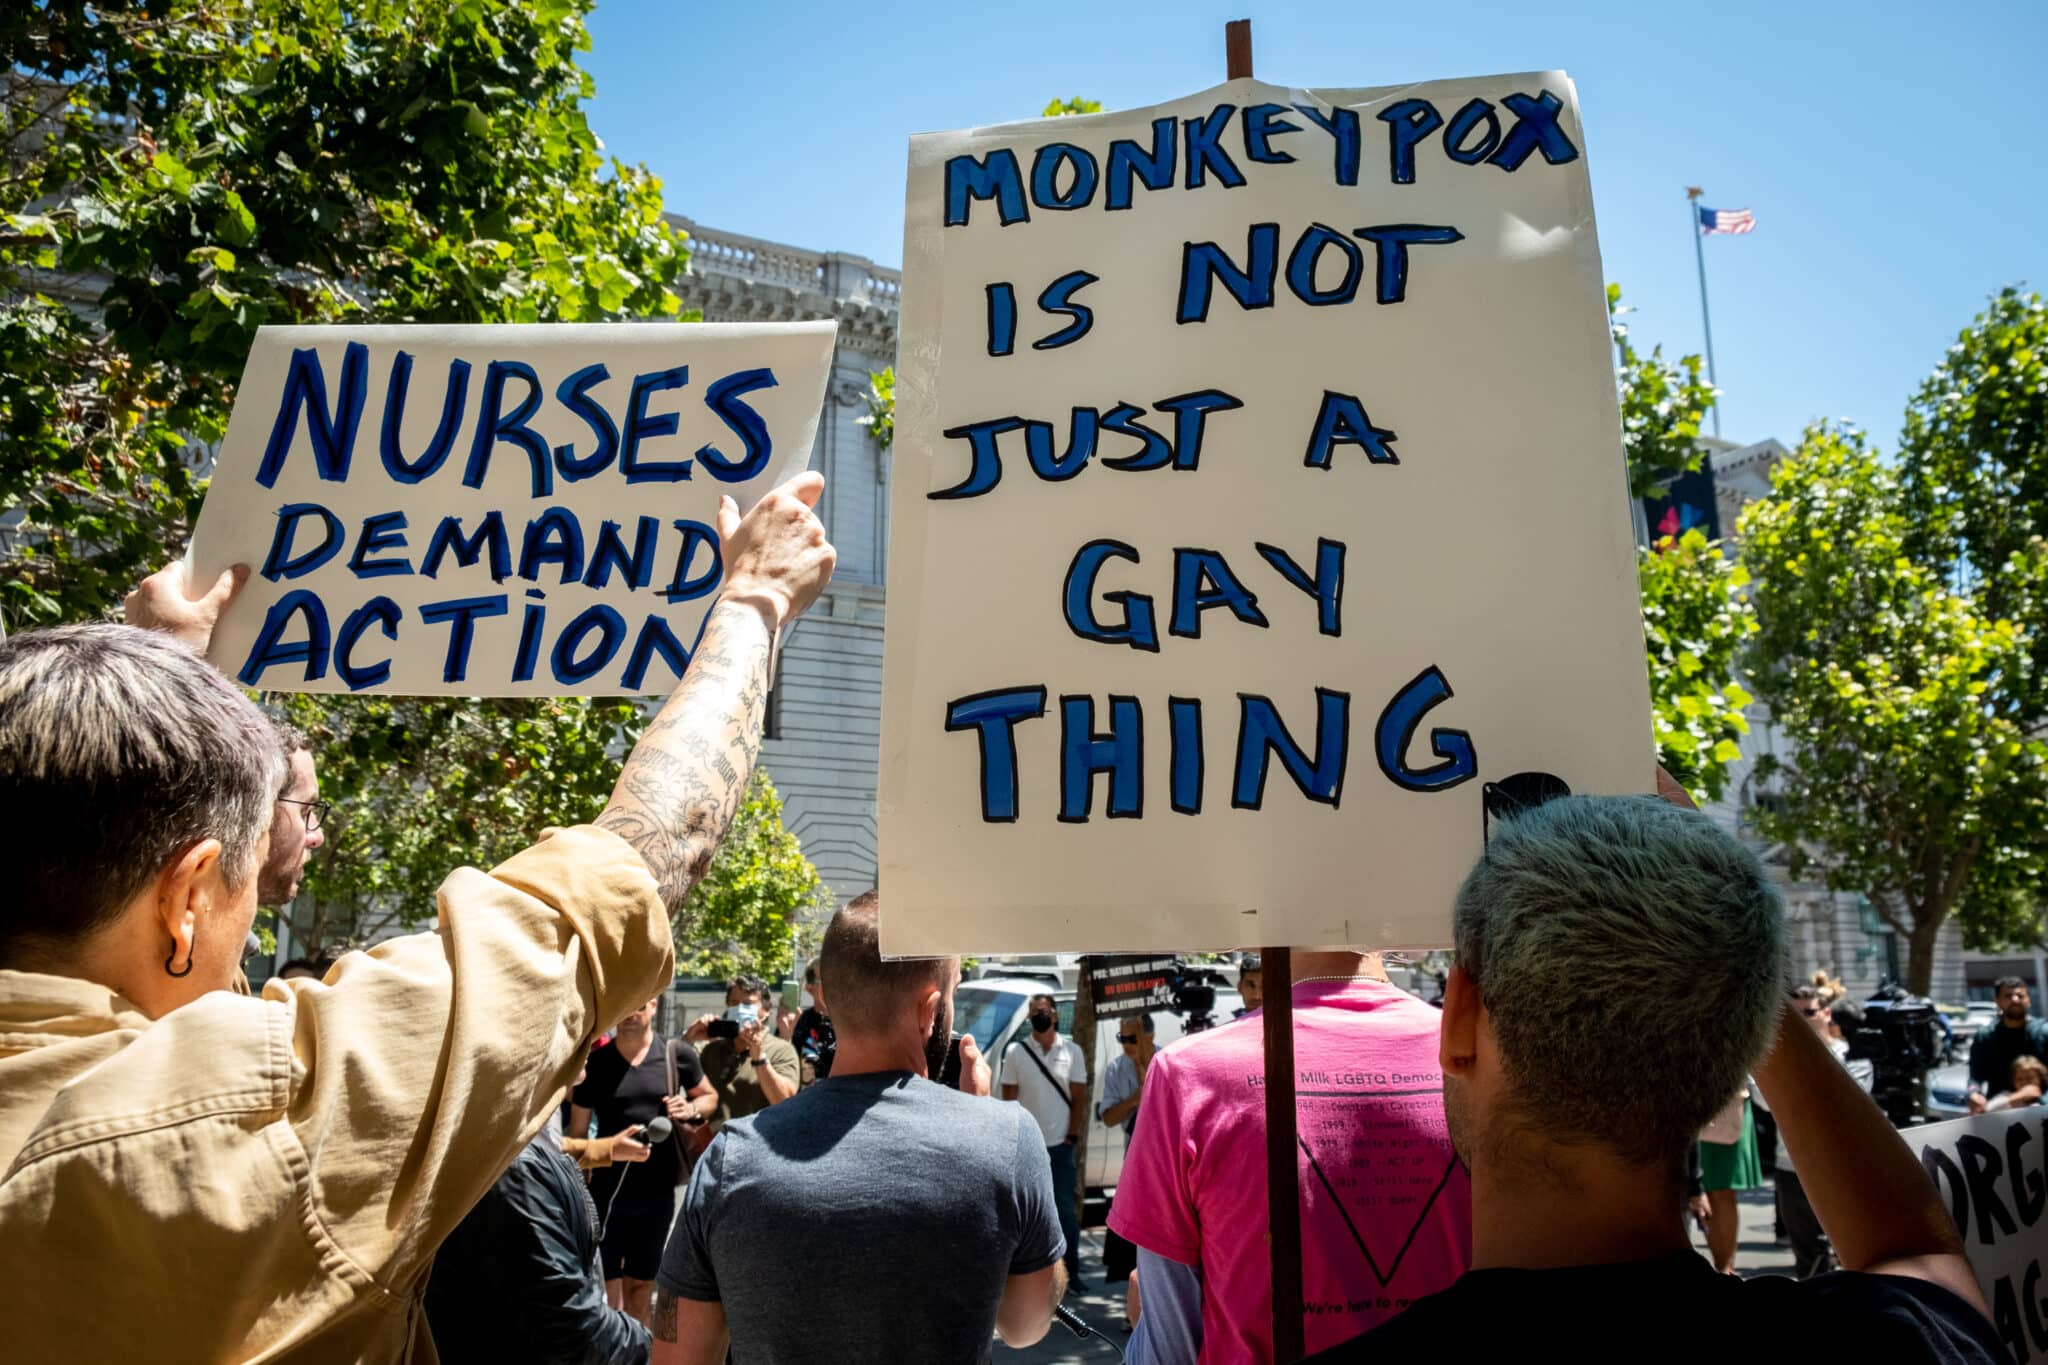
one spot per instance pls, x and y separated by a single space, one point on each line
743 1014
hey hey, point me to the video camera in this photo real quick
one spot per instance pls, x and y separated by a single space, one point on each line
1902 1037
1194 995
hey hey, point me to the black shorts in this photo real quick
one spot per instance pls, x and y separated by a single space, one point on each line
633 1238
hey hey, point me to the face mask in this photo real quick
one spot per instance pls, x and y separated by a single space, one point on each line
1042 1021
743 1014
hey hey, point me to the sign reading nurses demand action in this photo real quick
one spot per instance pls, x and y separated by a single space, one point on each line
494 511
1258 495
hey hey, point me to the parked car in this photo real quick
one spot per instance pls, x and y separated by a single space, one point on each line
1948 1089
993 1010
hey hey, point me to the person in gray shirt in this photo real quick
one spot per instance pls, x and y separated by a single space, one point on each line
926 1214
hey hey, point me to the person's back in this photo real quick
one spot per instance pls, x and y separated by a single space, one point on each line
518 1279
1386 1208
1676 1310
914 1210
925 1215
1575 1109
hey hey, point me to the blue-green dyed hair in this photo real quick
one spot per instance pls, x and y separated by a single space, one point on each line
1630 955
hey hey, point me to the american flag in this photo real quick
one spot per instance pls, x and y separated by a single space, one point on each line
1731 221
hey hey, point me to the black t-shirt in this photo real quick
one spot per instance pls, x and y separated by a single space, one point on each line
1995 1049
1679 1309
814 1038
623 1096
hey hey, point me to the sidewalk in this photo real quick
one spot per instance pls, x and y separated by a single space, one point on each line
1103 1305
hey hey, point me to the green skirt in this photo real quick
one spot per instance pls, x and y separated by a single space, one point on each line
1733 1165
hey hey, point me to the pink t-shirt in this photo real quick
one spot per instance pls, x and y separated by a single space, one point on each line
1386 1208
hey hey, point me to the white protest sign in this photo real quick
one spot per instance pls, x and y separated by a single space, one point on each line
1992 1171
1258 495
494 511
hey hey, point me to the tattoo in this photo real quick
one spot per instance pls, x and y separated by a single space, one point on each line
664 1316
684 780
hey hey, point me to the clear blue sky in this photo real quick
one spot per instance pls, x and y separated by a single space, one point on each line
1893 153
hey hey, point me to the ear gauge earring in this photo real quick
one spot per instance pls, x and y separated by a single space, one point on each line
187 971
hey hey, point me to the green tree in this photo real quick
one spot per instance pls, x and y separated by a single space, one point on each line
1694 620
180 172
421 785
1695 625
755 910
1076 105
1912 771
1974 455
1662 406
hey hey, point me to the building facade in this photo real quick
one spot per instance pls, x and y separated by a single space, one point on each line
823 746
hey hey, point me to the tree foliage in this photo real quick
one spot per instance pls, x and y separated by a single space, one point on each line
1694 619
182 172
1076 105
755 910
1974 454
1913 770
1662 406
1695 625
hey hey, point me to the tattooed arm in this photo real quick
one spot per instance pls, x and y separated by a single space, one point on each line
686 776
688 1331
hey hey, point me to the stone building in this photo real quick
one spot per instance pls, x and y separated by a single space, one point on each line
825 713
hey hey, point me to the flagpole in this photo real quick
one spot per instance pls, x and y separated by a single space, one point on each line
1699 253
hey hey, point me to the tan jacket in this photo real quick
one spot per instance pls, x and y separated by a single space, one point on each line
267 1177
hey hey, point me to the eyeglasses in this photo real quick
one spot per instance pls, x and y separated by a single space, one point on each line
1127 1038
1514 794
316 811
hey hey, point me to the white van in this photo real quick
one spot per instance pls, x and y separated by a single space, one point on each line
993 1010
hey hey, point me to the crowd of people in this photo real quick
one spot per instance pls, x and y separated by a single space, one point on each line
414 1151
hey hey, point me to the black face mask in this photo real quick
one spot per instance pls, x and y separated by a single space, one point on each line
1042 1021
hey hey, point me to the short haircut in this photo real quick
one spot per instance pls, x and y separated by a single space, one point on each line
1846 1014
868 993
1048 997
1251 963
2006 983
300 965
747 985
119 750
1144 1022
1574 890
290 737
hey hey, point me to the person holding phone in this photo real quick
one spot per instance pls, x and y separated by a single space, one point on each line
748 1066
627 1085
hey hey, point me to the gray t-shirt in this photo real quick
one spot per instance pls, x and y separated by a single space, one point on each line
872 1218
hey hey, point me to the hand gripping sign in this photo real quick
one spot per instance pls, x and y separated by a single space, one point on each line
494 510
1258 491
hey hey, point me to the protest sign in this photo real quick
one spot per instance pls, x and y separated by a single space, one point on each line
1992 1171
494 511
1130 984
1258 495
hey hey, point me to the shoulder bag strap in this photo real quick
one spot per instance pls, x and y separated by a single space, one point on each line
1043 1069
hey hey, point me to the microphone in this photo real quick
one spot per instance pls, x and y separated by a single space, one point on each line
656 1132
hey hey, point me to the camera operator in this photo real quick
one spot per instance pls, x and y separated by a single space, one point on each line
635 1078
926 1212
812 1037
749 1067
1994 1050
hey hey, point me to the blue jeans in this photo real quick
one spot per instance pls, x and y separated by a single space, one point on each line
1063 1198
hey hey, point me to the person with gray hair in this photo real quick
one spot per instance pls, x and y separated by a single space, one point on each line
1575 1108
195 1175
162 603
925 1211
